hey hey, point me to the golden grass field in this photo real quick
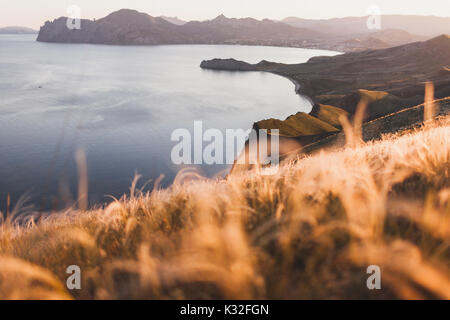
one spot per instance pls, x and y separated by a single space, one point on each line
307 232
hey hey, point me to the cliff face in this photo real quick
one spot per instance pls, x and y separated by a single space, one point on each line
125 27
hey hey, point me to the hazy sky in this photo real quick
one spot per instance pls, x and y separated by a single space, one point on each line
33 13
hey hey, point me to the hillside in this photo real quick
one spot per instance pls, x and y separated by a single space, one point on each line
429 26
398 70
308 231
394 77
405 119
300 124
329 114
351 34
375 40
379 103
353 189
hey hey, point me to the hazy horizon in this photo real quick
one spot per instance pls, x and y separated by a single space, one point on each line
33 15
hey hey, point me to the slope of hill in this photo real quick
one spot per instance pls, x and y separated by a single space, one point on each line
300 124
397 37
308 231
428 26
405 119
329 114
379 103
399 72
334 84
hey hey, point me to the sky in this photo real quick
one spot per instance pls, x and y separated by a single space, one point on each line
33 13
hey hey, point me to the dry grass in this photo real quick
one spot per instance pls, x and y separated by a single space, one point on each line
300 124
308 231
330 114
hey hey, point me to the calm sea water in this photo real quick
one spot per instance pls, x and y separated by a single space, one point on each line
120 105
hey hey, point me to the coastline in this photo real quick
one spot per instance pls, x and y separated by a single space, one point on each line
263 66
299 89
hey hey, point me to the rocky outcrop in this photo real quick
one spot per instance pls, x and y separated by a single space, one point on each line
228 65
238 65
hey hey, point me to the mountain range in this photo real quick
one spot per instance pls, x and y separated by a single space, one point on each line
130 27
429 26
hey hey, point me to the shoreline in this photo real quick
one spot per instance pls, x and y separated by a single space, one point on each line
233 65
186 44
299 89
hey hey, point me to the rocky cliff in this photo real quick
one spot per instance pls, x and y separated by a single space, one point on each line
124 27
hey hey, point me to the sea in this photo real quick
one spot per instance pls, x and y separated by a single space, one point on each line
117 107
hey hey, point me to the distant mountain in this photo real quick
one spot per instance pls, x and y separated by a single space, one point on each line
429 26
17 30
396 37
376 40
174 20
248 31
130 27
123 27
